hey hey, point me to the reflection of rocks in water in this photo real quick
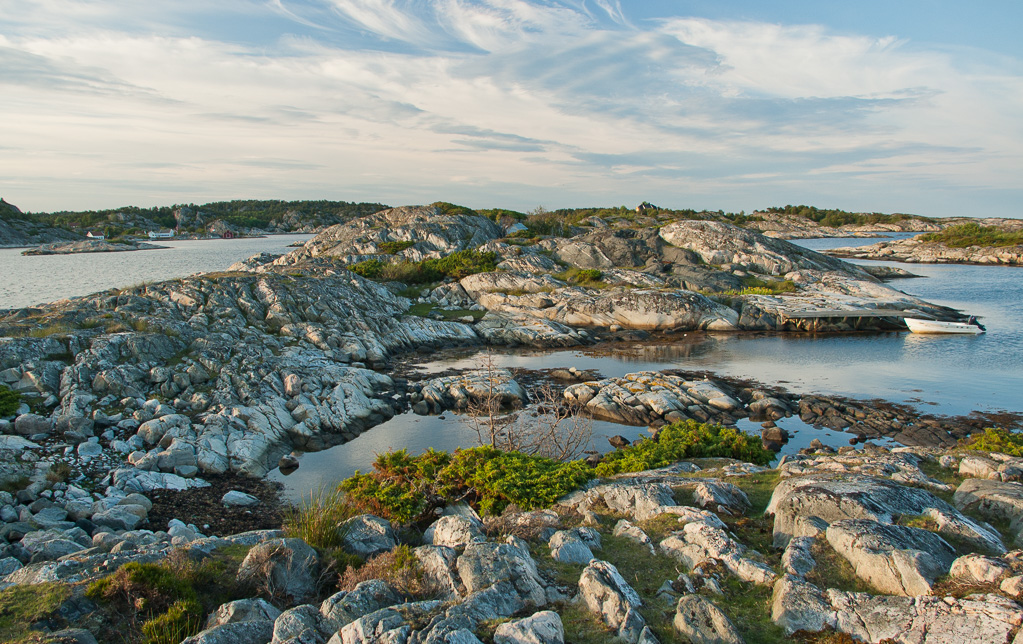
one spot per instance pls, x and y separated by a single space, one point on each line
689 345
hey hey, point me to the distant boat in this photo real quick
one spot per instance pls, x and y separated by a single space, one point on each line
970 327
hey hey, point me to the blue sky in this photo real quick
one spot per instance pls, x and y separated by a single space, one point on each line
903 106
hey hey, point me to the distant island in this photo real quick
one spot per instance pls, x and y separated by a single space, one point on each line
89 246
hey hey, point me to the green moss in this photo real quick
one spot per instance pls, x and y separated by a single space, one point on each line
427 309
10 400
23 606
686 439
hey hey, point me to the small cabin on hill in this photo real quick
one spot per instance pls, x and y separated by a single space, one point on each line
95 236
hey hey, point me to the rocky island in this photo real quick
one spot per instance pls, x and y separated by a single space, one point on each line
987 242
127 405
89 246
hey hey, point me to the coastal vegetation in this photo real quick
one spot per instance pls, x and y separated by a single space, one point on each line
996 439
9 401
973 234
685 439
163 603
406 488
456 265
834 218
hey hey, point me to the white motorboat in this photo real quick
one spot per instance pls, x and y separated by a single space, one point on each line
972 327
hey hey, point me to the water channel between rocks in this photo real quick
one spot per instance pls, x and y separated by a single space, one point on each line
937 375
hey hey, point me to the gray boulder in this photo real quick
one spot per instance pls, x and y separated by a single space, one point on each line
367 535
993 499
485 564
282 567
299 625
454 531
544 627
32 424
606 594
259 632
704 623
237 499
800 606
894 559
243 610
567 547
367 597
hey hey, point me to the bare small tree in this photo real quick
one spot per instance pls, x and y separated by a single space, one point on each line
552 427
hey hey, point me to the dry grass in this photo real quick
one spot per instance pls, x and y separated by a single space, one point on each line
400 568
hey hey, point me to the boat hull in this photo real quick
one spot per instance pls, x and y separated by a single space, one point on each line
934 326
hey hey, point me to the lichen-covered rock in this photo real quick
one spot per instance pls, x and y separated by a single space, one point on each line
485 564
934 620
367 535
606 594
833 497
454 532
800 606
632 532
894 559
438 568
995 499
544 627
257 632
699 620
367 597
243 610
568 547
699 542
299 625
284 567
978 569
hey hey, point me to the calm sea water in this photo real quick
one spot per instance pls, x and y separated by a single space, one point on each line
37 279
938 374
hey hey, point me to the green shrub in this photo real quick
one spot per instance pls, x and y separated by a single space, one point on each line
371 268
451 209
394 247
499 478
590 277
998 440
407 488
686 439
9 401
410 273
973 234
464 263
456 265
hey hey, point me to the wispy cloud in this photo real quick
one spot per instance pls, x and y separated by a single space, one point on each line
494 102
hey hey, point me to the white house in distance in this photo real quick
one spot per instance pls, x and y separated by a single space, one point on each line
162 234
95 236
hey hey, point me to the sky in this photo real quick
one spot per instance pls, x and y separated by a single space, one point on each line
912 106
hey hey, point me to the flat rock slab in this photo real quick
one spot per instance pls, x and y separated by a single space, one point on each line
926 620
894 559
834 497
